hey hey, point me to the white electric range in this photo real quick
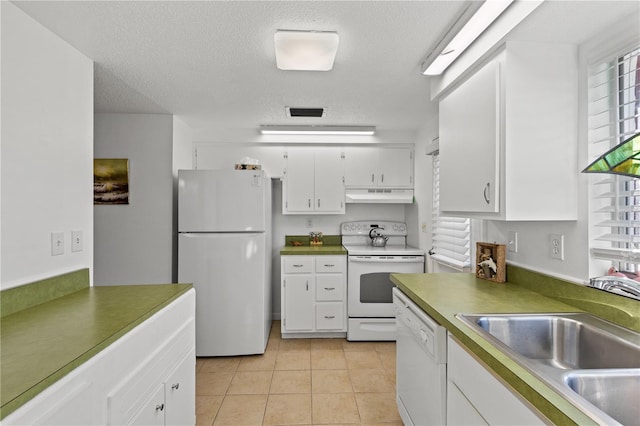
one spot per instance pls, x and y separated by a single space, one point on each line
369 288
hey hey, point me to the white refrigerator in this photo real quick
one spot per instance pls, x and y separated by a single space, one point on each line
224 249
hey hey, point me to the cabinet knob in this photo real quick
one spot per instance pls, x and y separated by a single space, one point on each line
160 407
175 386
486 192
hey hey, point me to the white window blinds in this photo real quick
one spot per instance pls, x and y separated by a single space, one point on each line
451 235
614 113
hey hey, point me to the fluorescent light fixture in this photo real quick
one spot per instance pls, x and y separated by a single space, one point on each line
480 21
305 50
317 130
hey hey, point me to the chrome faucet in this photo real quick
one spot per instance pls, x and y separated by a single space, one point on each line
618 285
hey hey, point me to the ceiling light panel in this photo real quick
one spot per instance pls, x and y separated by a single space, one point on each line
477 24
317 130
305 50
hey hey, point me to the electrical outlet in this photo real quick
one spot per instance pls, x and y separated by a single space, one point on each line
424 226
512 241
57 243
556 246
76 241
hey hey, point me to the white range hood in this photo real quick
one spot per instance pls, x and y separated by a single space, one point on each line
380 196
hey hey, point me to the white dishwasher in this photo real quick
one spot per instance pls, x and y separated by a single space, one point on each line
421 369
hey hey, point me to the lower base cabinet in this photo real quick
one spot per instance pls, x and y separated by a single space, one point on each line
147 377
313 291
475 396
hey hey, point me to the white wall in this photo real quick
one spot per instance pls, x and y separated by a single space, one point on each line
47 150
134 243
182 159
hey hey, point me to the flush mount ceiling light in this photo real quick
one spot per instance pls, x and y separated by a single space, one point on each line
456 42
305 50
318 130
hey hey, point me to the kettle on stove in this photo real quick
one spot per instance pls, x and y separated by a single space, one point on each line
377 239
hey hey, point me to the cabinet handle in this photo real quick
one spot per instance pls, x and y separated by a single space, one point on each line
175 386
382 177
329 265
160 407
307 285
318 202
298 265
329 316
486 189
330 288
373 176
309 202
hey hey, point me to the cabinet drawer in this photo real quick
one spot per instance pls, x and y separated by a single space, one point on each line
330 316
298 264
329 264
330 288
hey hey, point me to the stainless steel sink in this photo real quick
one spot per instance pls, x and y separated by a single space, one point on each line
612 391
568 341
593 363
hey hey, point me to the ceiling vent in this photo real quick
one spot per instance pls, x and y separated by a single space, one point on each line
305 112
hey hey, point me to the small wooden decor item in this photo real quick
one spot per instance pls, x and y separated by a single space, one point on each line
490 262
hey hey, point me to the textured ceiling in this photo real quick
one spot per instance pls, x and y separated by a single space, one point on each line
212 62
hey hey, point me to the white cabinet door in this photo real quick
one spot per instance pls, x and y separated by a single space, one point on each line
460 412
153 411
367 167
314 181
469 144
496 403
361 167
395 167
179 397
298 302
299 189
329 181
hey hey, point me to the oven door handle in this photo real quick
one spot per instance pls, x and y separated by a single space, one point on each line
387 259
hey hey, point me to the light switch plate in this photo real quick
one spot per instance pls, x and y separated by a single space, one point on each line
57 243
76 241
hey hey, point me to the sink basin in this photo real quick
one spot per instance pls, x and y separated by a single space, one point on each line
591 362
567 341
615 392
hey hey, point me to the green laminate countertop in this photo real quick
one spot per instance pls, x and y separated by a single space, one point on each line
443 296
313 250
43 343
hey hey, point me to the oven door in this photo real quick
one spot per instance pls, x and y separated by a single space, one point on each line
369 285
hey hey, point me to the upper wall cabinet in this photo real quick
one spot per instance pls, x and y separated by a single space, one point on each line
313 181
508 137
371 167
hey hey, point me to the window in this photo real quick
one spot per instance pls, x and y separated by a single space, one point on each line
614 115
451 235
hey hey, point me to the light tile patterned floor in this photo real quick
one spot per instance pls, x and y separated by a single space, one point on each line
300 382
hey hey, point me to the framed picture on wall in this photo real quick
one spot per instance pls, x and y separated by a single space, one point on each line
110 181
